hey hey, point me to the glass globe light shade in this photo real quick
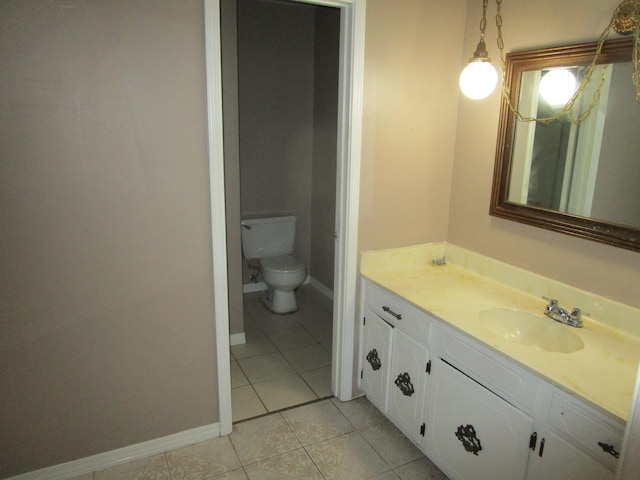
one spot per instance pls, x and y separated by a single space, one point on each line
478 79
557 87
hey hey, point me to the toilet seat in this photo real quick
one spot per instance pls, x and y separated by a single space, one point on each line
282 264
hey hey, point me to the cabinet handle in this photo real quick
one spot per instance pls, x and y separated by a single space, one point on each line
374 360
610 449
541 448
470 441
392 313
533 441
403 382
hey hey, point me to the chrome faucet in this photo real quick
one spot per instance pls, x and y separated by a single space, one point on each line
555 312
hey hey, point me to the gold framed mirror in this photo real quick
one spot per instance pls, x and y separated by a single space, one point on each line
581 179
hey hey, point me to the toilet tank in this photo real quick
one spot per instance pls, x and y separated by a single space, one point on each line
268 236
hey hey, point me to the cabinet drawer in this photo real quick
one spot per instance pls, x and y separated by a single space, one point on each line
595 434
397 312
506 382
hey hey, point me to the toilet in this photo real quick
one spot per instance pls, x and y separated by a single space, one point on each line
271 241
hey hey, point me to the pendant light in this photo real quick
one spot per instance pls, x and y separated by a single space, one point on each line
479 78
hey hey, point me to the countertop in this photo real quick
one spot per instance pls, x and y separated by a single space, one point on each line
603 373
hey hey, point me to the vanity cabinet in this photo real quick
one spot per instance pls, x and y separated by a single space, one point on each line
394 359
376 349
409 364
473 433
473 412
577 443
479 412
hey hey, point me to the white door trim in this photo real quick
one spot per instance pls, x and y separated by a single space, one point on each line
350 95
218 217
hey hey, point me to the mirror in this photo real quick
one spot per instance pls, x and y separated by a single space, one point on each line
580 179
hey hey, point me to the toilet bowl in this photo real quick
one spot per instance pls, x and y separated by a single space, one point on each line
271 240
282 275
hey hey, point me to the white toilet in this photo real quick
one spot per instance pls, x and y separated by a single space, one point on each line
271 240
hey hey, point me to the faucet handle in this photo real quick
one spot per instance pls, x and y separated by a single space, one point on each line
575 313
553 303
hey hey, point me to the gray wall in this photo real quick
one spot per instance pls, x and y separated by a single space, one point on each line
106 318
325 114
287 158
616 194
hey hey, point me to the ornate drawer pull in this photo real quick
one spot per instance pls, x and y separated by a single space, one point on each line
391 312
374 360
610 449
403 382
467 435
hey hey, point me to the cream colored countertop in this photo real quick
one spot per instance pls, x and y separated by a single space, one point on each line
603 373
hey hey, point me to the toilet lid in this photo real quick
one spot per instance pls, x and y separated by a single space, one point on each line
282 264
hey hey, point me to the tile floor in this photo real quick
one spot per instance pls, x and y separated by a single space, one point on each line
287 358
327 439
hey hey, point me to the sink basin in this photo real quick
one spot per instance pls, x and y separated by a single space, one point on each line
530 329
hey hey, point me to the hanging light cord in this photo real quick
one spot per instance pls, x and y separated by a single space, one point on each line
565 111
636 53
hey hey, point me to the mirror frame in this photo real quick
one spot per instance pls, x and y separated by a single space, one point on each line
622 236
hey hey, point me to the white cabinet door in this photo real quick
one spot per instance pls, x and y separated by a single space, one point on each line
472 434
376 359
560 460
407 384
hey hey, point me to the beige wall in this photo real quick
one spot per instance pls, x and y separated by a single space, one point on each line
608 271
106 315
410 108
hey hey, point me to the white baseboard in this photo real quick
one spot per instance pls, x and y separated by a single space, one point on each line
237 339
321 288
254 287
261 287
100 461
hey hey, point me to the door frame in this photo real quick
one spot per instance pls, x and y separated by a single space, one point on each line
349 135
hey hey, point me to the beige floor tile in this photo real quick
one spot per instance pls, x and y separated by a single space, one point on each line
390 475
86 476
245 403
238 474
238 378
319 380
322 332
284 392
423 469
309 357
360 412
317 422
315 315
294 465
348 457
261 438
266 367
311 297
290 338
149 468
394 448
257 344
203 460
271 323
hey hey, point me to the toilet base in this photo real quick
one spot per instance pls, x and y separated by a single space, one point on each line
280 302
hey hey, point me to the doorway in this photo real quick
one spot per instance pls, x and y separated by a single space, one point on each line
287 57
352 23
